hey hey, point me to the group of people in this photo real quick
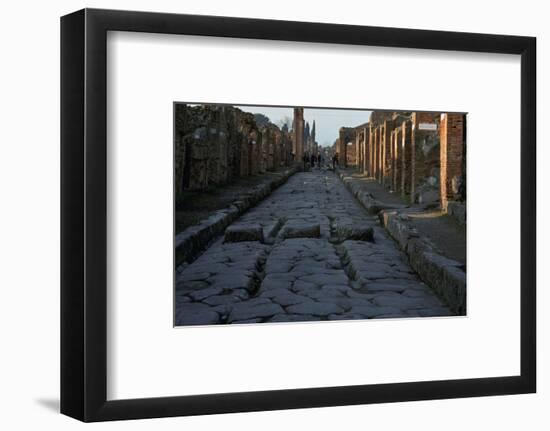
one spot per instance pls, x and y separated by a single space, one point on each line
312 160
317 159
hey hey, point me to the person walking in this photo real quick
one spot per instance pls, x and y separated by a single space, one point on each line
304 159
334 161
312 160
319 160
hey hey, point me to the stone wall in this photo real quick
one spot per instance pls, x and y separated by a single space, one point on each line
216 143
426 163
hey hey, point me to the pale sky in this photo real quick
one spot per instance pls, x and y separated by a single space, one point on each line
327 121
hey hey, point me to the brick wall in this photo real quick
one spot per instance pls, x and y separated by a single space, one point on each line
453 155
421 155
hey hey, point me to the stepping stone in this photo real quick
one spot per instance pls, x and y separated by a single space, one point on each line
356 233
301 230
244 233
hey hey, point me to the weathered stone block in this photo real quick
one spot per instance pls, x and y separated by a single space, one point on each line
244 233
301 230
357 233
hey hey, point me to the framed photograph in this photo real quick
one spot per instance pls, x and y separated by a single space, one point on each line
262 215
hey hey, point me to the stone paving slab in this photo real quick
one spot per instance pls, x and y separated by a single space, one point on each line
194 239
338 263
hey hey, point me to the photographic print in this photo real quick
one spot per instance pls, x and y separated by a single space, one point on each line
298 214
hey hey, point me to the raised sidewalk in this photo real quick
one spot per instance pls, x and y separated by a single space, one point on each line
194 239
434 242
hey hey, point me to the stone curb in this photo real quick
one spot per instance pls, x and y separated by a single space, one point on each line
372 205
458 211
445 276
190 242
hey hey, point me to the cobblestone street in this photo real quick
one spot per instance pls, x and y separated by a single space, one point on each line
309 251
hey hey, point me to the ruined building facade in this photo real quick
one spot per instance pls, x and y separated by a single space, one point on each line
421 155
215 144
344 146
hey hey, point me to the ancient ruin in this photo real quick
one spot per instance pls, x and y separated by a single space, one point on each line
214 144
379 234
420 155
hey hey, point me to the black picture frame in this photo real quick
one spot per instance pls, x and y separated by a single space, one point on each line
84 214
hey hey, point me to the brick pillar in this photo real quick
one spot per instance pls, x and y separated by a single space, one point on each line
406 161
394 159
361 151
403 158
377 153
390 160
384 151
452 160
357 152
376 149
387 158
413 159
364 168
398 159
371 151
380 154
298 134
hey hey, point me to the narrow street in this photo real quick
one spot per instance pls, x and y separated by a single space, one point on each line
308 252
